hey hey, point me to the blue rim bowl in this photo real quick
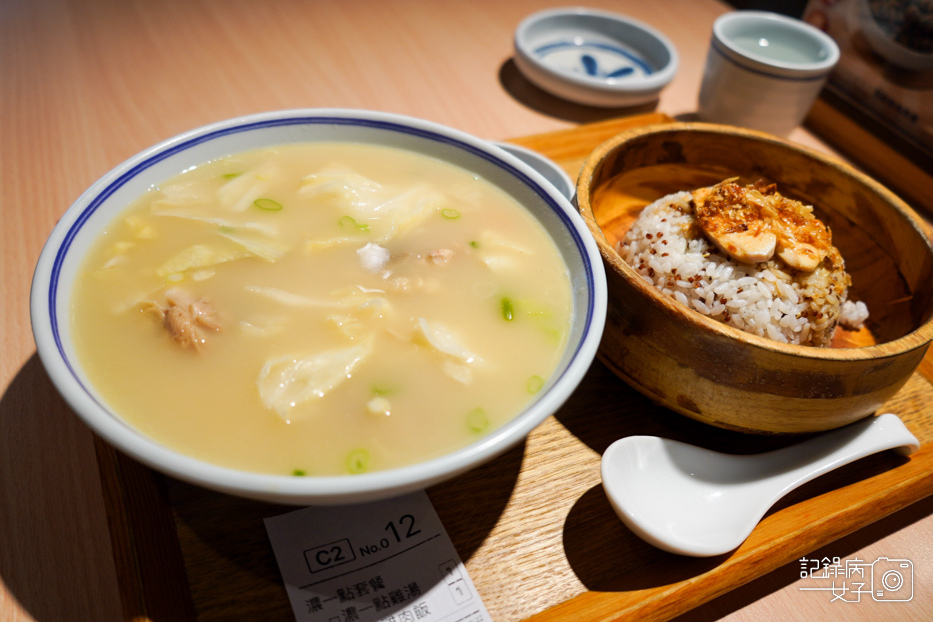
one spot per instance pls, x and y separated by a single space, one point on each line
77 230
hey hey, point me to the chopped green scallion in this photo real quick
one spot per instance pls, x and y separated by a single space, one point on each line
350 223
474 244
358 461
299 473
231 175
477 420
450 214
268 204
508 310
535 383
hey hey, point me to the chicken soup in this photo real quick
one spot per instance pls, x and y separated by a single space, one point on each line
322 309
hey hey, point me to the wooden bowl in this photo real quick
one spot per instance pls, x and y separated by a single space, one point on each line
721 375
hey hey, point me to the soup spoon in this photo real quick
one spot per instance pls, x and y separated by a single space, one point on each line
697 502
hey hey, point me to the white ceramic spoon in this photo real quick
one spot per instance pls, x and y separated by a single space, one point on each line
693 501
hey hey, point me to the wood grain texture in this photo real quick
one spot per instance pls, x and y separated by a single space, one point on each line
144 539
720 374
55 554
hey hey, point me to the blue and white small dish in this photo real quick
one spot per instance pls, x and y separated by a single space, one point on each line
596 58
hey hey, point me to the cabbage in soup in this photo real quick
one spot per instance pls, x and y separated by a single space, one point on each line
321 309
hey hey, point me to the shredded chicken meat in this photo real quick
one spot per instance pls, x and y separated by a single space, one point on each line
187 320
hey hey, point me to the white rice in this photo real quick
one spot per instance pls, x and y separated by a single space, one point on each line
667 248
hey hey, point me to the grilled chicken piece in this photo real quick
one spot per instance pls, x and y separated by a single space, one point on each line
186 319
753 223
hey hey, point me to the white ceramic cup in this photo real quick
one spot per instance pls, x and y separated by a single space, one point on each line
764 71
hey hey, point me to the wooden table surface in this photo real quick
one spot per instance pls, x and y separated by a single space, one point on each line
85 85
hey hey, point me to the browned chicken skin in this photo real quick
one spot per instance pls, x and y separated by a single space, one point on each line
753 223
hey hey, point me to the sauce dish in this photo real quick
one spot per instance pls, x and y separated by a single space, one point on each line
595 58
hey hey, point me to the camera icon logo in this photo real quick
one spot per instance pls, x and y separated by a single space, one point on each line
892 580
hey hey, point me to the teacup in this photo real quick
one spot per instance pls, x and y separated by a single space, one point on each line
764 71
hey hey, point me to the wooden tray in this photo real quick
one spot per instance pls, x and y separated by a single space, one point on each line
534 527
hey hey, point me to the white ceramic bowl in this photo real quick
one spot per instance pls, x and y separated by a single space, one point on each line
557 176
594 57
101 203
